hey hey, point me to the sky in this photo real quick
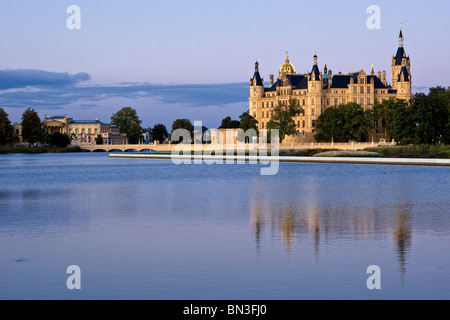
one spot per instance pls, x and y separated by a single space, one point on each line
193 59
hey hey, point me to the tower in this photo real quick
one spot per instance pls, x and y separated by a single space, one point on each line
256 83
401 71
256 92
315 86
326 82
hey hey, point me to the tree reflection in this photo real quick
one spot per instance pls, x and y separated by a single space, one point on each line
338 222
402 234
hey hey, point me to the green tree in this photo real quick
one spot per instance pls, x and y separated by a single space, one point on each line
127 120
182 124
344 122
31 127
429 117
99 140
329 125
446 137
160 133
396 118
228 123
247 122
134 133
283 120
59 140
6 129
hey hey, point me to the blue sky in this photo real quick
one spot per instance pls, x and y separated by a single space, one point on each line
176 59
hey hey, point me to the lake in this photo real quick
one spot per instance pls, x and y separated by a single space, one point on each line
150 229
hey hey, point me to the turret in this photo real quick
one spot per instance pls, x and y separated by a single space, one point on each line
399 61
256 83
326 82
315 86
315 73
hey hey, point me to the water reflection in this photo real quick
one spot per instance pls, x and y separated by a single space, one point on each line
402 234
311 224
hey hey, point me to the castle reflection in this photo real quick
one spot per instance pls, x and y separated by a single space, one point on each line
306 221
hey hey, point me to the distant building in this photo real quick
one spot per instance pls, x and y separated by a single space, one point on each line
147 136
81 131
315 91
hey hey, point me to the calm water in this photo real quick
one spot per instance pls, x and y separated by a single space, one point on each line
148 229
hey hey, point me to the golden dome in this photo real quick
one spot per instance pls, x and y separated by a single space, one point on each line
287 67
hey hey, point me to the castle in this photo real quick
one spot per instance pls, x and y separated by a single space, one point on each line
316 91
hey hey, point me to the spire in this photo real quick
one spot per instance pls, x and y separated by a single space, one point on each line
257 80
372 71
325 69
315 73
400 37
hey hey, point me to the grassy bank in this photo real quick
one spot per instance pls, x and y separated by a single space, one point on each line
413 151
5 150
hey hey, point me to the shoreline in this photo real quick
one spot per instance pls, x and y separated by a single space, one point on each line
265 159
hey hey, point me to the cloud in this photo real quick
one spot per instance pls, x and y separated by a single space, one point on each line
37 88
50 93
416 89
15 79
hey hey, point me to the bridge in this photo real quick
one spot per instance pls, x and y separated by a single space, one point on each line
170 147
124 147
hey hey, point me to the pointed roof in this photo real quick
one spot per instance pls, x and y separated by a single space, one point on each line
257 76
403 73
401 50
315 73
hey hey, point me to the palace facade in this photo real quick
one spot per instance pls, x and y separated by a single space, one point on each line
317 90
81 131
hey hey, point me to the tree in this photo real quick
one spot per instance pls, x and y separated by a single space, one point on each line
283 120
395 118
424 120
59 140
99 140
6 129
134 133
31 126
329 124
344 122
247 122
228 123
430 116
160 133
182 124
127 120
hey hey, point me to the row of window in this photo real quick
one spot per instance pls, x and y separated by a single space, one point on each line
83 131
362 101
362 90
300 124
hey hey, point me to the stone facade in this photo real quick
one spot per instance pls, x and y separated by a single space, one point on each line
81 131
317 90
